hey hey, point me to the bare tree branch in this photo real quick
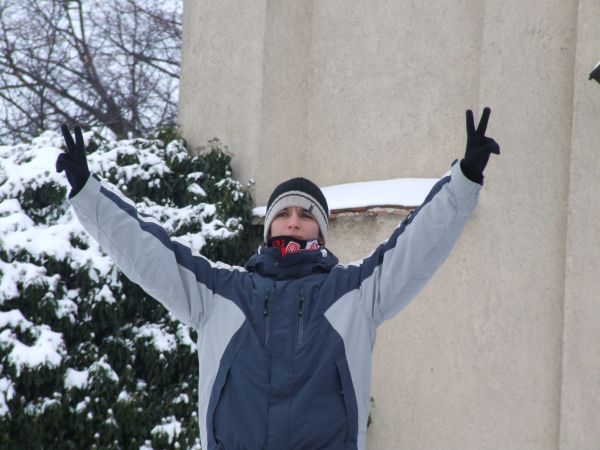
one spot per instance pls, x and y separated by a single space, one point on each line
112 63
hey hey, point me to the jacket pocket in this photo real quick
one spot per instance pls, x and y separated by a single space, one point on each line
349 400
241 412
343 386
215 404
237 413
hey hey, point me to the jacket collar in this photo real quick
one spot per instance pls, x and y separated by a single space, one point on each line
269 263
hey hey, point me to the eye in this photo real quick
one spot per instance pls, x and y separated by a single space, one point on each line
306 214
283 213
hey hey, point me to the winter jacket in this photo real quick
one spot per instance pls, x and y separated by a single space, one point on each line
285 343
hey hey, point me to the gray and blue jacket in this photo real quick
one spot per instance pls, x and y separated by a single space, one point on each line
284 344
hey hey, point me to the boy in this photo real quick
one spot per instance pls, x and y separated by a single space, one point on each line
284 344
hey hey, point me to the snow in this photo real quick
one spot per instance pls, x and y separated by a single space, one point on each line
195 188
182 398
12 217
26 274
83 405
400 192
161 339
105 294
14 319
103 368
183 335
170 427
39 406
7 392
124 396
30 166
47 349
76 379
66 308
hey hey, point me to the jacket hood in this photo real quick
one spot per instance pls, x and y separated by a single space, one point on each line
269 263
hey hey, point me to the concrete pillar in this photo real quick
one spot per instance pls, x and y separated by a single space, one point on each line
580 412
222 69
244 78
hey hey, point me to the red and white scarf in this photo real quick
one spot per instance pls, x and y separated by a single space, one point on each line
289 245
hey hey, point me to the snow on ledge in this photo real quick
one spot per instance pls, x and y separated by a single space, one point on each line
397 193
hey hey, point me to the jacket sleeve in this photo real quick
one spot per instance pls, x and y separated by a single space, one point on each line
400 267
184 282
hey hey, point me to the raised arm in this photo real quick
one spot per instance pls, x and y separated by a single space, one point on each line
185 283
400 267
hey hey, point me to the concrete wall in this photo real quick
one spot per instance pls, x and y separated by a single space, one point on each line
502 349
580 399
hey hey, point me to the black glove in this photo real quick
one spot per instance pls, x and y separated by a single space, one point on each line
479 147
73 161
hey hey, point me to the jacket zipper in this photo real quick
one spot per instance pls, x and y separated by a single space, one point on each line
266 316
300 317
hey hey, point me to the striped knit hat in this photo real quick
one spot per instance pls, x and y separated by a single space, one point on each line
298 192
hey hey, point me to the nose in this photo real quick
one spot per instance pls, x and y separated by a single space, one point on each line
294 220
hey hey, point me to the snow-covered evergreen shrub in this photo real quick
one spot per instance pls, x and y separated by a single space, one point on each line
87 360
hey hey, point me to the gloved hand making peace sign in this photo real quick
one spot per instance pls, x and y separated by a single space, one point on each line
479 147
73 161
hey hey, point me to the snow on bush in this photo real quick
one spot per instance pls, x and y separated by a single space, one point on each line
87 360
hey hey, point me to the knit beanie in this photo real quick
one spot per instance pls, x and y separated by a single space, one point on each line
302 193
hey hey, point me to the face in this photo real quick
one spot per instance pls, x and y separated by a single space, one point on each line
295 222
